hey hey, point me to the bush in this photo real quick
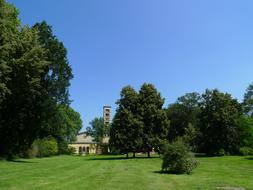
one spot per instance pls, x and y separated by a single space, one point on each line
220 152
245 151
177 158
45 147
63 147
71 151
29 153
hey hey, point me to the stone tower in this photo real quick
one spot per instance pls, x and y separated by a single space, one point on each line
107 114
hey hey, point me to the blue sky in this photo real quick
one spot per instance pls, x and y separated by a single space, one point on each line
178 45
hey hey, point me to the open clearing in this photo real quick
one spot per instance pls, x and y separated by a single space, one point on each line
116 172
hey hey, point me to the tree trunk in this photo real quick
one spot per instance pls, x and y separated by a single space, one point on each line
148 154
127 155
133 154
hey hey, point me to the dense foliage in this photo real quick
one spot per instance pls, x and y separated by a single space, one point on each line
212 123
99 130
140 123
219 123
126 130
177 158
182 114
45 147
34 80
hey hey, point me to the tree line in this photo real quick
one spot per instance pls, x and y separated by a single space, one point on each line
34 86
213 122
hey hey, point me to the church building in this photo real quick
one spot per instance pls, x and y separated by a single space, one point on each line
85 144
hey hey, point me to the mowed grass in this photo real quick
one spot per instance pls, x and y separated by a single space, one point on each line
116 173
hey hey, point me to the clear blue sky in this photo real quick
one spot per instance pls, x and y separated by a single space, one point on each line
178 45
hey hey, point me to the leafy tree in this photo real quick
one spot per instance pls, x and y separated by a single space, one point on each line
219 122
34 80
191 137
248 101
9 24
126 130
182 114
58 73
58 119
98 130
69 124
21 109
154 118
118 138
246 131
140 123
64 125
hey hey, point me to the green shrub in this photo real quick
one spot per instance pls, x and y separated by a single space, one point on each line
220 152
30 153
245 151
177 158
63 147
71 150
45 147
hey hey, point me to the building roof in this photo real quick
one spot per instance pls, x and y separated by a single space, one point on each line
84 138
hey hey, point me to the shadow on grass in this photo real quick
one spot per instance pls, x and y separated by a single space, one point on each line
121 158
21 161
167 172
249 158
200 155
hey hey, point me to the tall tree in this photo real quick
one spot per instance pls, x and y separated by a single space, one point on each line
219 122
126 131
58 73
34 80
154 118
21 109
9 24
56 82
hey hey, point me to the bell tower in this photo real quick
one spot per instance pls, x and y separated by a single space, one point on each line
107 114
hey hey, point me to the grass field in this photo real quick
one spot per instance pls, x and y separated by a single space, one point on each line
116 173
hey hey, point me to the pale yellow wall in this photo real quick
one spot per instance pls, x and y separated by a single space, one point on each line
92 147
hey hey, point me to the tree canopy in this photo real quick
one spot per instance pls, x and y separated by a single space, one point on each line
34 80
219 122
140 123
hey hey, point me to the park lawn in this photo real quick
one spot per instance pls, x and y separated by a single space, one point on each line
116 173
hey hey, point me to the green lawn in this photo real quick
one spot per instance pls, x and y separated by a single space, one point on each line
115 172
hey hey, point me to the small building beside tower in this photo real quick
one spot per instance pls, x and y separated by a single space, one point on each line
85 143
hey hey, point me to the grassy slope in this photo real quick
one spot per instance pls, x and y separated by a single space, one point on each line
106 172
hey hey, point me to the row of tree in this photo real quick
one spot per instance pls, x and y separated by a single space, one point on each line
212 123
34 81
140 122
